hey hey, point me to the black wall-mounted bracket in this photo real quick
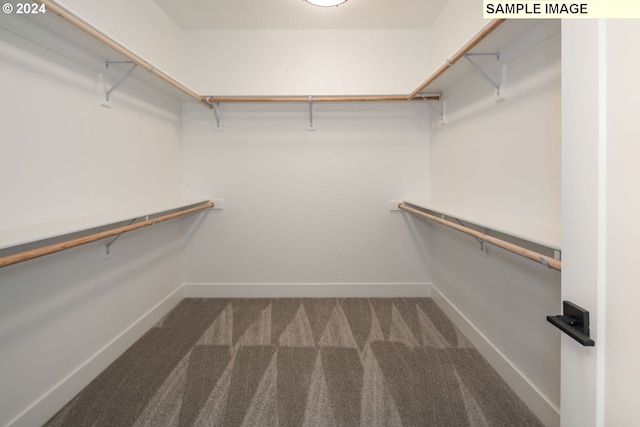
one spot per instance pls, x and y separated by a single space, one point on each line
574 322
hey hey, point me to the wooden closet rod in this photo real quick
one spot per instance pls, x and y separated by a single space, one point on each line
535 256
207 101
57 247
93 32
320 98
459 54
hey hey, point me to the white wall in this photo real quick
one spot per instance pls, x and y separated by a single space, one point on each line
75 167
63 156
504 157
305 62
307 206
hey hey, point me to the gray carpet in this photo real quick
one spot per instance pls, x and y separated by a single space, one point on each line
299 362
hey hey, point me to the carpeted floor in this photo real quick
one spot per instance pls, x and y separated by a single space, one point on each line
299 362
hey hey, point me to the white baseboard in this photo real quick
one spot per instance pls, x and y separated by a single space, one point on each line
306 290
54 399
545 410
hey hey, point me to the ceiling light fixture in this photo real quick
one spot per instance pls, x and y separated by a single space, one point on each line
325 3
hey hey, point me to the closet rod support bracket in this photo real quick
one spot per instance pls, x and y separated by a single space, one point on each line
312 125
501 89
484 246
107 246
122 78
442 111
216 113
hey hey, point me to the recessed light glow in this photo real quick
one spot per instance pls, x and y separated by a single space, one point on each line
325 3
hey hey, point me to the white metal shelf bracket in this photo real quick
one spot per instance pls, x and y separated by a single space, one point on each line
501 88
121 79
107 246
433 105
216 114
312 125
483 244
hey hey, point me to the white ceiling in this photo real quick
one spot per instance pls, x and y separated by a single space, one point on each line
298 14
